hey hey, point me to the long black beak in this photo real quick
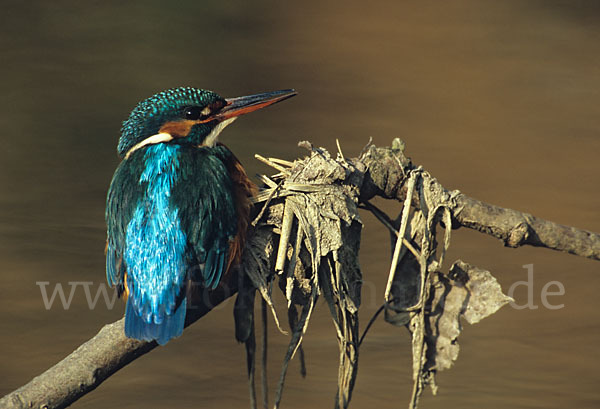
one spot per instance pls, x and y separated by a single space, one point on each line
244 105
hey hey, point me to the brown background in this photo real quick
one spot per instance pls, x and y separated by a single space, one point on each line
498 99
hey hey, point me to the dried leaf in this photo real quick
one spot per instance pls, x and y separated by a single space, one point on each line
466 291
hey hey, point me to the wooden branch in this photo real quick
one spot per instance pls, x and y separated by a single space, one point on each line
517 229
386 176
97 359
379 171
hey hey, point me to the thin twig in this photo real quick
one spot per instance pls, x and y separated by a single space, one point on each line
282 162
266 205
251 353
284 238
263 369
371 322
387 222
366 147
267 181
270 163
405 212
337 142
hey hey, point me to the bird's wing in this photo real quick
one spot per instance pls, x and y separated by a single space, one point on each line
244 190
207 210
121 202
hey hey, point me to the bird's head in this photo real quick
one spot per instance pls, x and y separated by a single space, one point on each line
187 116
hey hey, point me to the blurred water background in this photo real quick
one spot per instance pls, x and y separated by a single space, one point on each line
498 99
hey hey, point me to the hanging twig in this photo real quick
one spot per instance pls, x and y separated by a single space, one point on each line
264 345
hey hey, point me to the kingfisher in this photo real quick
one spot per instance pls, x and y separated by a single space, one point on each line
178 205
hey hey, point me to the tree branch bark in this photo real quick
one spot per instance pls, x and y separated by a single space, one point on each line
386 177
517 229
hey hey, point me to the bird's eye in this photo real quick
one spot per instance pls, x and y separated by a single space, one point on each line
192 113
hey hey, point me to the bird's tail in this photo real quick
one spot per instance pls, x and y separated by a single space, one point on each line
170 327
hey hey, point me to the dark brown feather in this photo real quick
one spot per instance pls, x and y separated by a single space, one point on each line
244 189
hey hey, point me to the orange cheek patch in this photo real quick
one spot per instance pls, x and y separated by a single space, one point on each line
178 129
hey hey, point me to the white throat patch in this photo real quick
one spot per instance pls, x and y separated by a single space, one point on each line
151 140
211 139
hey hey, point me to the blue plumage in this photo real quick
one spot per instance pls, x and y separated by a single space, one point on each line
173 206
182 222
155 244
138 328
